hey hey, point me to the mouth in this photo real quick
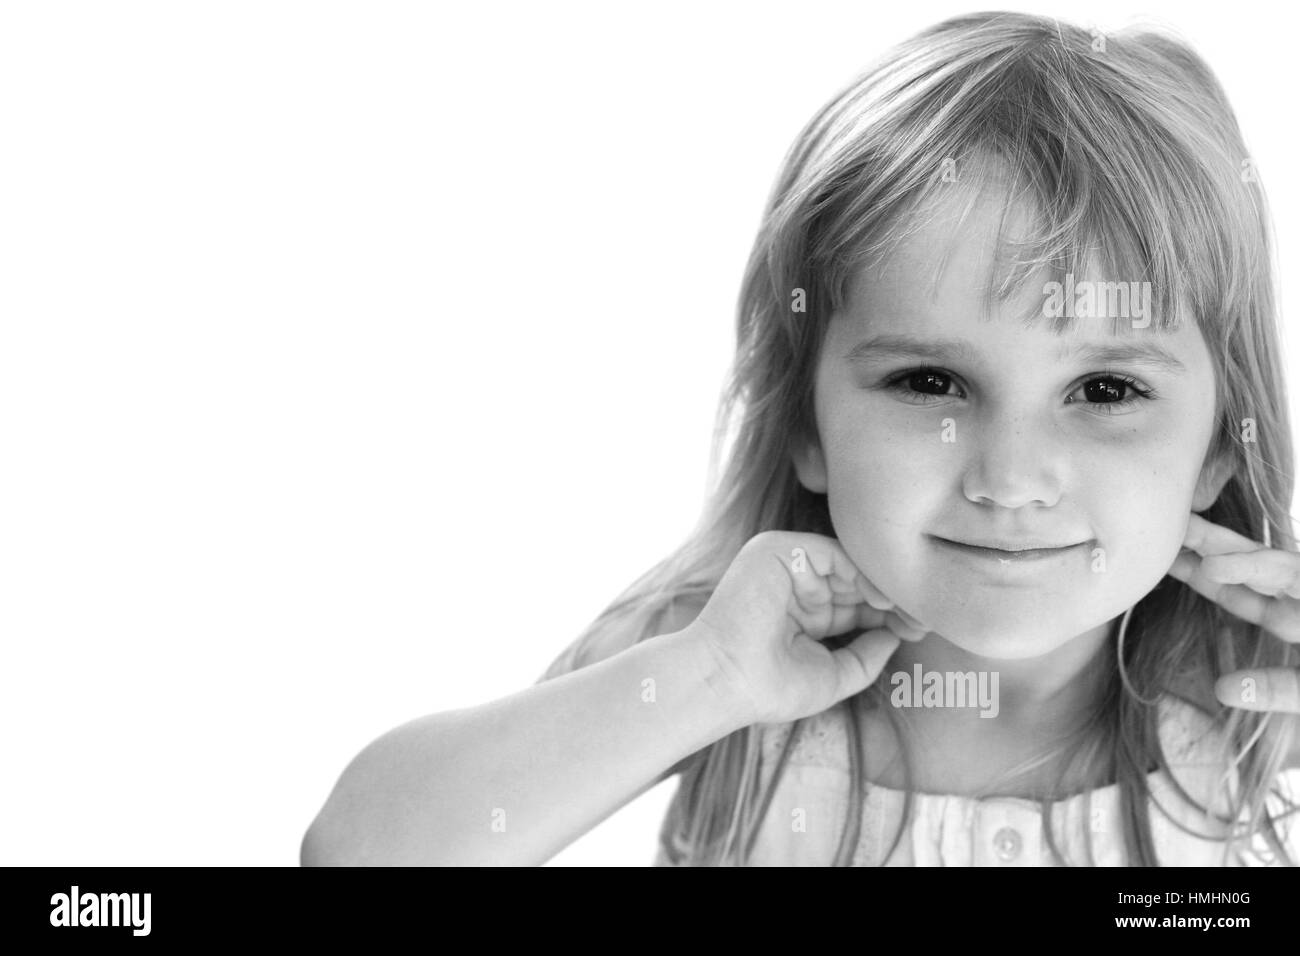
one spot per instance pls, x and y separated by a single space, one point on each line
1011 553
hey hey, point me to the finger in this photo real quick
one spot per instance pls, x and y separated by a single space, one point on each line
846 592
810 588
1279 616
825 620
908 618
1272 688
822 566
871 618
832 562
872 594
843 617
1206 537
1268 571
860 662
900 627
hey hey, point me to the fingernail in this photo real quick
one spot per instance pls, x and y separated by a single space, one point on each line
908 618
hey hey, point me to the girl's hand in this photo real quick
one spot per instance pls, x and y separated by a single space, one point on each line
782 595
1257 584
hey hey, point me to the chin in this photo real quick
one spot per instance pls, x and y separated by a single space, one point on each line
1004 646
1000 636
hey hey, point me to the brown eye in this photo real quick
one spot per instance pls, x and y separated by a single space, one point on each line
934 383
918 385
1112 393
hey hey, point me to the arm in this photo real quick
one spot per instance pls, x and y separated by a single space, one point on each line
514 781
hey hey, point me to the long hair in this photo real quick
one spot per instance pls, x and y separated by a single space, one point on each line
1130 151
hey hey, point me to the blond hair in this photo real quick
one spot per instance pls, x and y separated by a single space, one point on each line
1131 151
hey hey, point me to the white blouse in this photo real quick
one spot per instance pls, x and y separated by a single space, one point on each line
804 821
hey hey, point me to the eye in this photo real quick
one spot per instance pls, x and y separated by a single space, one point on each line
921 386
1107 393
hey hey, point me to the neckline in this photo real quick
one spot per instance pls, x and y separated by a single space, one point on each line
1154 778
1176 713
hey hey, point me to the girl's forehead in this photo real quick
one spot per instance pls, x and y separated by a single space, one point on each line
961 239
966 290
945 278
985 232
976 263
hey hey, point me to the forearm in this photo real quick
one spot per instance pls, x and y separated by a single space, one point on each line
516 780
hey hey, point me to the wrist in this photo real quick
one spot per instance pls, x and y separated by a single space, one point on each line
718 675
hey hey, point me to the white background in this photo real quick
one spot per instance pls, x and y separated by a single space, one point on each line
353 356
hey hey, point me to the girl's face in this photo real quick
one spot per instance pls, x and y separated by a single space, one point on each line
951 431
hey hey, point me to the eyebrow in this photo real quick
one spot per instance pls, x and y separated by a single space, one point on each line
1147 353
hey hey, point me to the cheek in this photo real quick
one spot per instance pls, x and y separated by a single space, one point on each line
1141 519
882 488
886 489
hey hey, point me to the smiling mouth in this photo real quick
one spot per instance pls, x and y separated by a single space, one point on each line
1007 556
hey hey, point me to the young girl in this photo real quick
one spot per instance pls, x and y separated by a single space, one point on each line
999 570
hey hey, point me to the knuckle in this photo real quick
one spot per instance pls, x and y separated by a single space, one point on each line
774 539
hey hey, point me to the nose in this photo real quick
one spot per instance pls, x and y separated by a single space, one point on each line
1015 459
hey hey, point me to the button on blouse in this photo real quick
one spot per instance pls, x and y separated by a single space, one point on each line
806 816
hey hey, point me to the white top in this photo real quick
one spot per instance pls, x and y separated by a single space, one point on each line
804 821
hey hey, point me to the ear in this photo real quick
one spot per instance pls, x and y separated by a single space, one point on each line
1214 475
810 464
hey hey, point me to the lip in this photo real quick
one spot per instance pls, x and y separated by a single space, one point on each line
1011 553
